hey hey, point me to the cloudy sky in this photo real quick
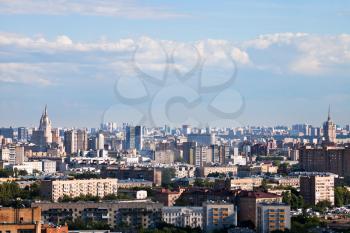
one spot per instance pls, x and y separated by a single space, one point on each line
267 62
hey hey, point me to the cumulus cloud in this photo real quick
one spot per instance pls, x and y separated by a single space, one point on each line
28 60
115 8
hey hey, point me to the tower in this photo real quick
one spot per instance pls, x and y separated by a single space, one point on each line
45 127
329 129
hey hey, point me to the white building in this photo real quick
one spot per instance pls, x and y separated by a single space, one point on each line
141 194
183 216
55 189
49 166
184 171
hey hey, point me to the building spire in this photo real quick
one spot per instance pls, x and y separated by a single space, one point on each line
329 112
45 111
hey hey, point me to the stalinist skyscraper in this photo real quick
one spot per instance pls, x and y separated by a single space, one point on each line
45 127
43 136
329 129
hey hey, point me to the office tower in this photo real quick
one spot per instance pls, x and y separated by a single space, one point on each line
7 132
329 129
218 215
188 152
22 134
82 140
133 137
316 187
202 139
273 217
186 129
100 141
70 142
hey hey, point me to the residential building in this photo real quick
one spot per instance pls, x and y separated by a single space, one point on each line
248 202
247 183
273 217
55 189
206 170
133 215
316 187
181 216
218 215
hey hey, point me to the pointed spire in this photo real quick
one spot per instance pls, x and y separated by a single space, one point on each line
45 111
329 112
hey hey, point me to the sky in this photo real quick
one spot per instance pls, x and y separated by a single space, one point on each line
218 63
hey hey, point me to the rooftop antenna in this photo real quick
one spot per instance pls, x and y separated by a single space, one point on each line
329 112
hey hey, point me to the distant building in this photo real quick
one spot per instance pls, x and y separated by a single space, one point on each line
246 183
181 216
133 137
43 136
55 189
218 215
22 134
329 130
326 159
316 187
273 217
6 132
205 171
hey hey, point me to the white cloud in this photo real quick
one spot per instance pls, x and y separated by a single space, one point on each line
42 61
115 8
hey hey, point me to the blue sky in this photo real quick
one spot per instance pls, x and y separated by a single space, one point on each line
293 58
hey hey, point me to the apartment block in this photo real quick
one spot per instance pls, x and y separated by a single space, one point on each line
205 171
55 189
317 186
218 215
135 214
247 183
273 217
248 202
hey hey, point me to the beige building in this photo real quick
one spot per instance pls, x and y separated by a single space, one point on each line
288 181
247 183
218 215
55 189
316 187
272 217
20 220
248 202
205 171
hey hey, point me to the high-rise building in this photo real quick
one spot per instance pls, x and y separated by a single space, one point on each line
70 142
133 137
45 127
273 217
7 132
100 141
329 129
316 187
82 140
43 136
22 134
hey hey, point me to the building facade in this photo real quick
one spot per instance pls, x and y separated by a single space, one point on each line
55 189
181 216
273 217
